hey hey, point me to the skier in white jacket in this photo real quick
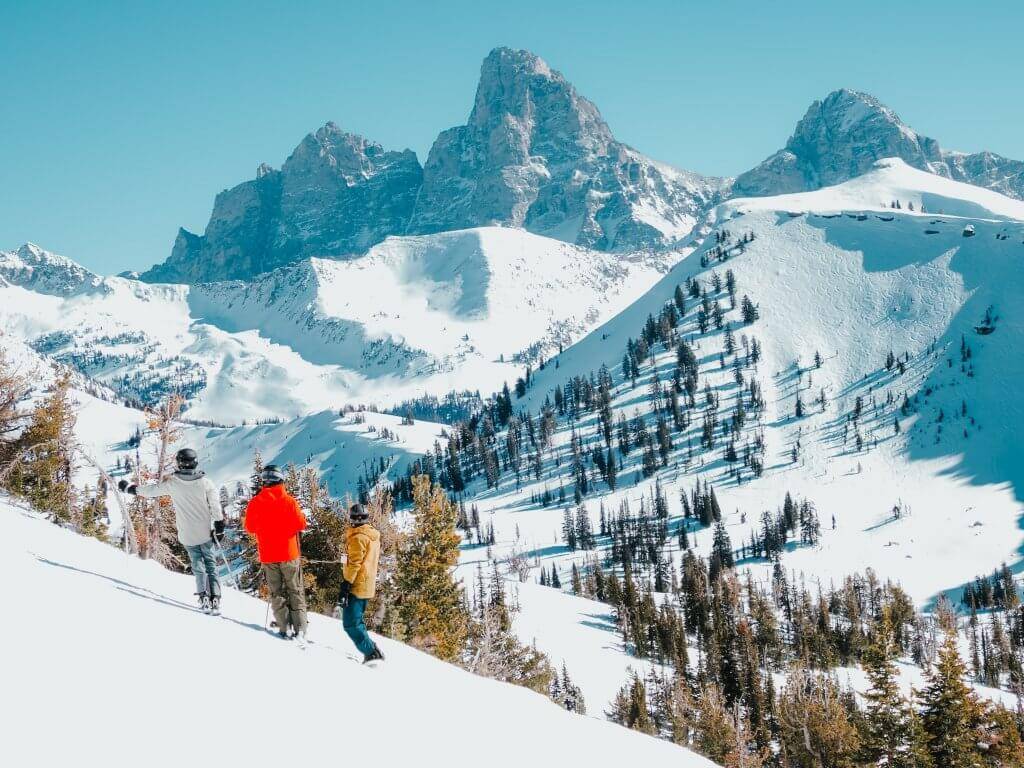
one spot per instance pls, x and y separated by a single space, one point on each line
196 507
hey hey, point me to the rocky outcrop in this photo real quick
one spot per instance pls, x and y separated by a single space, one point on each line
44 272
336 195
536 154
843 135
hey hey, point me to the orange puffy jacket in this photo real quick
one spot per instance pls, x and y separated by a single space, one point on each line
274 517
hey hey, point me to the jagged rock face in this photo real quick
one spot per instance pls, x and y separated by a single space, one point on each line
336 195
41 271
842 136
987 169
535 154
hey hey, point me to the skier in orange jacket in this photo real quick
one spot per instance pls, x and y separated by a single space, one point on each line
273 516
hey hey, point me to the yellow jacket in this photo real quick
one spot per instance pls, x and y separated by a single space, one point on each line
362 545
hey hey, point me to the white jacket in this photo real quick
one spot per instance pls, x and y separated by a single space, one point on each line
196 504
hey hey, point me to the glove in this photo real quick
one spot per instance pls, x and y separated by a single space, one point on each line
343 593
218 528
122 485
336 613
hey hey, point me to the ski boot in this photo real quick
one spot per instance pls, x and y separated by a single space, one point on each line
215 605
374 657
204 602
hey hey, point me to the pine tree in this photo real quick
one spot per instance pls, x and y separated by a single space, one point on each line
577 587
950 710
492 648
814 723
748 311
630 708
892 730
567 694
45 456
154 520
15 386
715 736
555 579
323 541
721 551
432 608
569 531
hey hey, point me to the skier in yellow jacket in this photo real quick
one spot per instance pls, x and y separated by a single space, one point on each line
359 580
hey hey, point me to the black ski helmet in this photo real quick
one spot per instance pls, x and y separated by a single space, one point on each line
357 514
271 475
187 459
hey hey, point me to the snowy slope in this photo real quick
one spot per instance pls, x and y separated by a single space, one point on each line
580 633
852 286
445 308
128 686
838 272
888 180
416 315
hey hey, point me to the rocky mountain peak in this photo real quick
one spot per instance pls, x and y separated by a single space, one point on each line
519 86
841 136
42 271
536 154
347 154
336 195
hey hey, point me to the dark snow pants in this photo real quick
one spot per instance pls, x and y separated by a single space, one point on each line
287 594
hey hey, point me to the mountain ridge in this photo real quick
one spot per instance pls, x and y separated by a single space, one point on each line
534 154
842 135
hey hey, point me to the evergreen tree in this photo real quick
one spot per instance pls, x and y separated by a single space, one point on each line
950 711
721 551
814 723
891 732
44 455
432 607
577 587
323 541
569 531
715 735
630 708
748 311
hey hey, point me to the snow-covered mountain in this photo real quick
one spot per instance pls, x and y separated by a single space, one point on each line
40 271
837 272
534 154
336 195
416 315
841 137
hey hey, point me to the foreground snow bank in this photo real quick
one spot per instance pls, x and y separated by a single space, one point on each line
107 660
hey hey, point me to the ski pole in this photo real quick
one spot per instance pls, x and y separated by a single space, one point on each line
227 567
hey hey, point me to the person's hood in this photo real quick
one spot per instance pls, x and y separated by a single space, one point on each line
277 491
363 530
190 474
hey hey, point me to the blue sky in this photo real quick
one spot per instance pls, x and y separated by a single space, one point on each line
121 121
